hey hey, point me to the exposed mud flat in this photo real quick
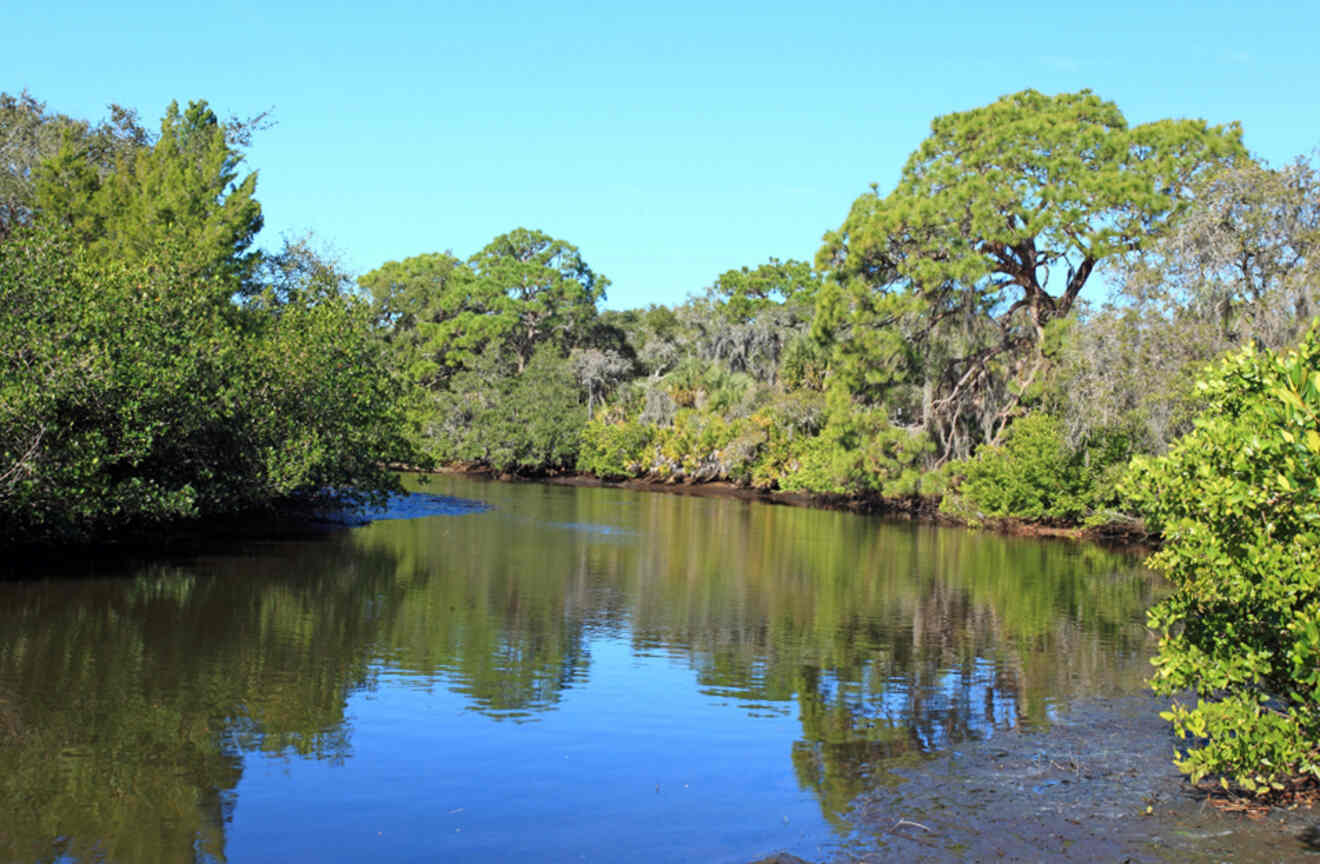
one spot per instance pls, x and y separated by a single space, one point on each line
1098 785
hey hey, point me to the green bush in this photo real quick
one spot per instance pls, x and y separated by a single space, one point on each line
614 449
1034 475
692 447
525 422
857 452
1238 502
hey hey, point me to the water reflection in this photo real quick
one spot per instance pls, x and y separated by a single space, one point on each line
129 705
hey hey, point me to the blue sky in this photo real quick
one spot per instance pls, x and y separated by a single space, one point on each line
669 142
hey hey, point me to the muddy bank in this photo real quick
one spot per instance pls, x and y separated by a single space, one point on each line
1098 785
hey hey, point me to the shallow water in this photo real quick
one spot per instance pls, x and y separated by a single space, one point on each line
569 675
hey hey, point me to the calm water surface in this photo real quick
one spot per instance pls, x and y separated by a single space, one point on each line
569 675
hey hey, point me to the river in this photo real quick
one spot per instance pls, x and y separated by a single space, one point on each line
535 672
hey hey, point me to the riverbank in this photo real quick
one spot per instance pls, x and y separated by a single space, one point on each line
221 532
1097 785
926 509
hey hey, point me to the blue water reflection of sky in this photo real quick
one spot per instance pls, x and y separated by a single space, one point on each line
633 764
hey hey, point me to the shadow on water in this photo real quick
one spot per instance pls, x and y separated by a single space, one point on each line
147 543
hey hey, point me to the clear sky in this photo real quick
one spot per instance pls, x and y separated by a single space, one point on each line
668 141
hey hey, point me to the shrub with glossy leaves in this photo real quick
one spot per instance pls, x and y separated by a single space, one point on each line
1238 502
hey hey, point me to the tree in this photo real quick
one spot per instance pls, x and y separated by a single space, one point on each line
525 422
184 187
998 221
1245 257
1238 503
1241 264
748 316
30 135
520 291
131 394
301 271
413 300
743 293
598 372
534 289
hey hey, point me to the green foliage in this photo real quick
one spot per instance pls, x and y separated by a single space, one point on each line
316 405
804 364
414 299
133 390
525 422
858 452
786 424
743 293
997 195
184 188
1238 502
614 449
31 135
102 372
463 337
940 293
530 289
1034 475
130 394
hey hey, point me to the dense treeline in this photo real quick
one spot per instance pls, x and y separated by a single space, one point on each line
940 348
153 365
938 351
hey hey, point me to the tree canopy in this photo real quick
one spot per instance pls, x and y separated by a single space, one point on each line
998 221
134 390
184 186
535 289
413 300
744 292
523 289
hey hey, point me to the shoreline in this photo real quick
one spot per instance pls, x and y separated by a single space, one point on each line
283 521
1097 784
924 510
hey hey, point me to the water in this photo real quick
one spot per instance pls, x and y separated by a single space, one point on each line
568 675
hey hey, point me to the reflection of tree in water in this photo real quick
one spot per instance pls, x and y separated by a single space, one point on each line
124 708
498 617
894 639
127 705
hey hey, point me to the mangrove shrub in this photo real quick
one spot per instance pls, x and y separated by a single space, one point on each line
131 394
1238 502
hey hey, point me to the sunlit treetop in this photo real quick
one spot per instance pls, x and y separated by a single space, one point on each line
1020 200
